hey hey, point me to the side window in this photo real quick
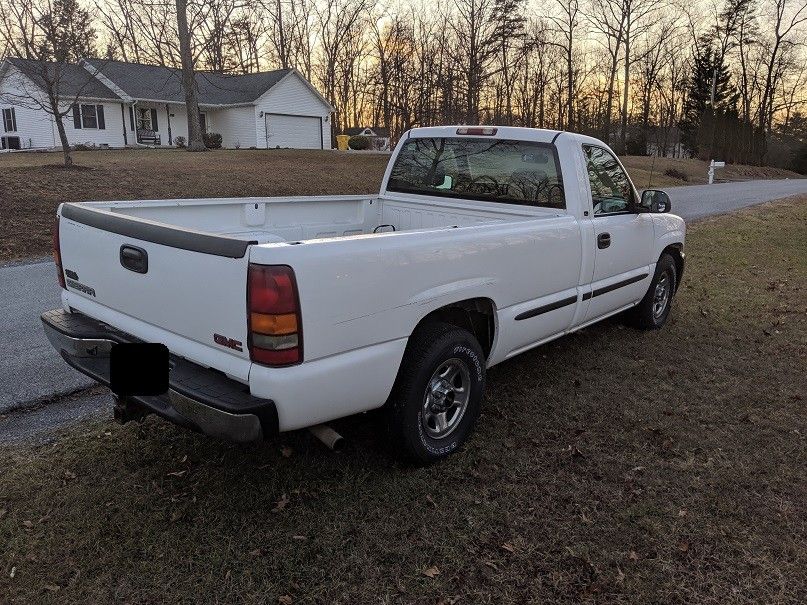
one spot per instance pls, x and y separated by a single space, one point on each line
611 190
9 120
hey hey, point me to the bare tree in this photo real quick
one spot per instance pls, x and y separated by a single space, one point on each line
195 142
568 25
635 12
608 18
50 37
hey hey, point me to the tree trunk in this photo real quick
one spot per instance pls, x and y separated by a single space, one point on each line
623 136
195 142
54 108
609 100
570 84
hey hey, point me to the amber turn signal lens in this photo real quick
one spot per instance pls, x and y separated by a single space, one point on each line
273 324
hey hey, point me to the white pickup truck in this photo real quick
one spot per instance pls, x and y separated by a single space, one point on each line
283 313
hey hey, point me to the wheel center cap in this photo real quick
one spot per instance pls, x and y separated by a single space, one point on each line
440 392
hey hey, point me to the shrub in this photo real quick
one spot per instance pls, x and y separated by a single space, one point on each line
674 173
180 142
212 140
358 142
81 147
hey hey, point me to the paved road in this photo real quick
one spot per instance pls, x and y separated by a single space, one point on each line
699 201
29 368
30 371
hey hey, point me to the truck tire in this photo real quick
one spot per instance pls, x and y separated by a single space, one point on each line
652 312
437 395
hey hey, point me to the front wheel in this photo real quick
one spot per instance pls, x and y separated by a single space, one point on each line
652 312
437 395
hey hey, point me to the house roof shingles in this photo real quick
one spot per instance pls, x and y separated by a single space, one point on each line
150 82
378 130
153 82
72 81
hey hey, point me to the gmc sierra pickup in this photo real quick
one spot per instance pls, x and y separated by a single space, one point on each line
283 313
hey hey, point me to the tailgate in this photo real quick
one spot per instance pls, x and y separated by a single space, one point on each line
159 283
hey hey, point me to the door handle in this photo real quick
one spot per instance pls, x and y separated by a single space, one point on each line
603 240
134 258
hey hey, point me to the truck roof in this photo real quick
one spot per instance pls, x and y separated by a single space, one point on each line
518 133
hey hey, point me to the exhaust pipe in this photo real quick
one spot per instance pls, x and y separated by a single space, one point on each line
332 440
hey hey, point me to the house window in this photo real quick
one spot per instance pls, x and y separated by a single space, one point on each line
144 118
89 116
9 120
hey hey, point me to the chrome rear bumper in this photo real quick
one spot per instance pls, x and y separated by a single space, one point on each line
198 398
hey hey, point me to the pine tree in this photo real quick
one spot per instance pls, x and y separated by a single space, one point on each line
702 114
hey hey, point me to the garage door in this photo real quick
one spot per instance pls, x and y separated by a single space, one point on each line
297 132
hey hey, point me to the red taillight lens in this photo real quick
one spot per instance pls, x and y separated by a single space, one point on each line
272 289
57 253
273 312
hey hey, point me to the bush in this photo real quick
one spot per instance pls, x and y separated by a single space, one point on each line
180 142
676 174
81 147
212 140
358 143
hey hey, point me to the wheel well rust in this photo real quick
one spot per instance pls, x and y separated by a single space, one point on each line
477 315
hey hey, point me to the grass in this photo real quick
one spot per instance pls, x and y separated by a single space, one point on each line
32 185
609 466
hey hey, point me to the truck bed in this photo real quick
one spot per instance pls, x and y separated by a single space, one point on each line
292 219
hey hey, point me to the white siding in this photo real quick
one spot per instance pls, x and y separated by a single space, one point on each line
111 135
236 125
37 128
292 96
34 127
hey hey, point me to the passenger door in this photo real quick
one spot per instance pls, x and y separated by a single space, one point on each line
623 236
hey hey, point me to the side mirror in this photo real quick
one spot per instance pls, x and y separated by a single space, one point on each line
655 200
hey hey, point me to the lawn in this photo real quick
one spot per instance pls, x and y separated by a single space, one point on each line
609 466
33 184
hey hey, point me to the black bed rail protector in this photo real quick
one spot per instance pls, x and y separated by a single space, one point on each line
166 235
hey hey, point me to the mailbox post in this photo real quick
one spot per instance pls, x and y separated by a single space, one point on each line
712 166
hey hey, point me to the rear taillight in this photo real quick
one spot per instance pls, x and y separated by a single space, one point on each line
273 315
57 253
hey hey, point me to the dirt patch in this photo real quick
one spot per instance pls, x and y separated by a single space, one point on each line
31 188
609 466
62 167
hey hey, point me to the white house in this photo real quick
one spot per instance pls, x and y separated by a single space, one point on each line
120 104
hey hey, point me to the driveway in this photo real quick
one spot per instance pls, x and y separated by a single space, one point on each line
30 371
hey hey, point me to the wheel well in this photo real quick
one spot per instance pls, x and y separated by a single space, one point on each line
477 315
677 252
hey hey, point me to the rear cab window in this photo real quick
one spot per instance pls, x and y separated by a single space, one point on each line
490 170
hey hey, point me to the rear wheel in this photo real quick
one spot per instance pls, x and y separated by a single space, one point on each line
437 395
652 312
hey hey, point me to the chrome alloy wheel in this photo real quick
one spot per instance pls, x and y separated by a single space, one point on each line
446 398
661 295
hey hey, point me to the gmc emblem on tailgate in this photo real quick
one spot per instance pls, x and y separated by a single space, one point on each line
230 343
